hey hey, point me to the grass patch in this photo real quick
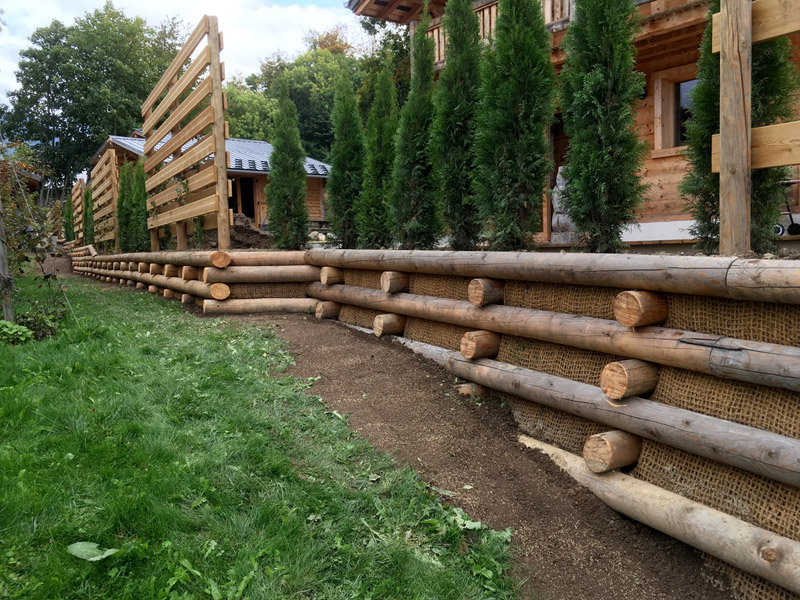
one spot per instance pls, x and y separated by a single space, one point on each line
181 442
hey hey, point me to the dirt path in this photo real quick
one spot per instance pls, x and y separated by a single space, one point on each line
571 546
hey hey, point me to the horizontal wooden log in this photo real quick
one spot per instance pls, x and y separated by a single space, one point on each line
267 259
156 269
172 271
639 308
472 389
216 291
331 276
194 258
483 291
278 274
754 362
393 282
140 285
170 294
143 267
480 344
745 546
749 279
611 450
628 378
327 310
755 450
259 305
388 325
188 299
153 289
188 272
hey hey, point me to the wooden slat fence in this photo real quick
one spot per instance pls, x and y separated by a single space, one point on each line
77 209
105 191
737 148
185 135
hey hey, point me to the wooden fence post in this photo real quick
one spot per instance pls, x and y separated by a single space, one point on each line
736 27
220 155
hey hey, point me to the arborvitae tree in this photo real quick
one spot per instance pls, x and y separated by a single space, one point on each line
775 79
124 207
139 235
286 190
416 221
513 151
347 163
599 93
373 221
69 221
453 129
88 217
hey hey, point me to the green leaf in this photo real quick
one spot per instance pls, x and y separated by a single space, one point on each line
90 551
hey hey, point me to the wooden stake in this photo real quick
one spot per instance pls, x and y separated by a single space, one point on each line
327 310
218 129
741 544
736 41
393 282
480 344
331 276
628 378
388 325
639 308
611 450
484 291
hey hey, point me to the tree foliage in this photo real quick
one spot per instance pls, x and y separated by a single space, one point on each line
139 234
373 220
250 114
69 220
286 190
454 123
388 42
80 83
88 216
414 213
599 91
347 163
774 80
513 152
124 204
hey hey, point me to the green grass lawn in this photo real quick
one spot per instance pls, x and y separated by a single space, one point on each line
181 442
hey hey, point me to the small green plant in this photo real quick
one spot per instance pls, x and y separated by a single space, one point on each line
43 318
14 334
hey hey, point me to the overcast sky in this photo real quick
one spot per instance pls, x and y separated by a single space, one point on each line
253 29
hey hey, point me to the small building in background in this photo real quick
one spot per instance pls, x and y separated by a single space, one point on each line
248 170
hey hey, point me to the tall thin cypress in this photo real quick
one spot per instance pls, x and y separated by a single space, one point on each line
774 80
69 220
137 230
599 92
416 221
513 151
286 190
123 206
347 163
453 129
373 221
88 217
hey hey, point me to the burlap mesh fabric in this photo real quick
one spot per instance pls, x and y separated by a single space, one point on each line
355 315
245 291
443 335
754 321
363 278
440 286
555 297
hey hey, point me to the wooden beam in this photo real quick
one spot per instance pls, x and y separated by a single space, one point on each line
388 325
628 378
611 450
393 282
745 546
483 291
259 305
734 114
771 146
327 310
480 344
331 275
279 274
771 19
639 308
267 259
218 129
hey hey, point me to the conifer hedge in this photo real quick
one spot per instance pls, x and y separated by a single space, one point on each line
453 129
599 91
88 217
68 218
373 221
347 163
124 200
416 221
286 190
513 150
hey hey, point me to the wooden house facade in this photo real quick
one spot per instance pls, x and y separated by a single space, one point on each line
668 48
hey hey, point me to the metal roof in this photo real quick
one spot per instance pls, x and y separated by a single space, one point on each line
246 155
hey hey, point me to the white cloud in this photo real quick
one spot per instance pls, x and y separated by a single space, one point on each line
252 29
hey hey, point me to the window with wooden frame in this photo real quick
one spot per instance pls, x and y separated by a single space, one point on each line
671 90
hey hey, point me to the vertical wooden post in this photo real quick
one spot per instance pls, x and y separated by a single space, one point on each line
6 281
154 245
180 234
220 156
736 29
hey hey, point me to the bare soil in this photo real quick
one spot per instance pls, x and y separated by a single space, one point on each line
569 544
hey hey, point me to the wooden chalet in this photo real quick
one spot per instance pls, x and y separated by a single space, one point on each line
668 48
248 171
